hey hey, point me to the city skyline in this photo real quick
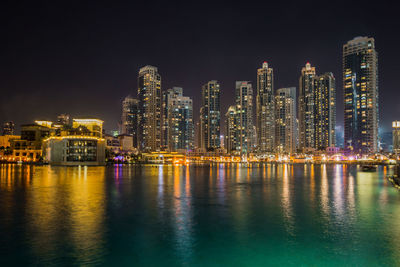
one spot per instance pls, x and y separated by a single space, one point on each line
75 58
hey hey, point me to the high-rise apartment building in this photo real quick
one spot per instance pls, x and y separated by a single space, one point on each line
306 108
360 86
129 118
265 110
231 130
285 118
8 128
149 96
210 116
244 109
178 127
324 111
396 137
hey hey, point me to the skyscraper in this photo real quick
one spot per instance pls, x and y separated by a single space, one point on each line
360 85
285 118
324 111
129 118
167 97
8 128
396 137
210 116
149 94
244 109
178 120
265 112
231 126
306 108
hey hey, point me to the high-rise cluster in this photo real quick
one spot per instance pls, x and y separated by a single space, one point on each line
285 121
158 120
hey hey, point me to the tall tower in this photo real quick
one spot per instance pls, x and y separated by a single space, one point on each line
244 108
178 121
396 137
149 94
285 117
129 118
360 86
324 111
8 128
231 126
306 108
210 116
265 113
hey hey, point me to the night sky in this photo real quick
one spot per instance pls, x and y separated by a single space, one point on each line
83 58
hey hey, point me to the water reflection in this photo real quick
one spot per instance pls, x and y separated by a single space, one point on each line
229 214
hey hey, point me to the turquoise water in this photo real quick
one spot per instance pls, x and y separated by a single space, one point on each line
224 215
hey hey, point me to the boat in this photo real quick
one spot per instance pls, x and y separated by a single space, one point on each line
368 167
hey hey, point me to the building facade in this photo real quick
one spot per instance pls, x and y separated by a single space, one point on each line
396 137
29 146
306 108
231 130
360 85
244 110
83 144
8 128
285 120
210 116
324 111
178 126
265 109
149 96
129 118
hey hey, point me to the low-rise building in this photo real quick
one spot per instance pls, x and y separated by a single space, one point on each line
82 144
29 146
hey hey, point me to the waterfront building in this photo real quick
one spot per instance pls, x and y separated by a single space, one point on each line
149 96
324 111
244 111
210 116
8 128
396 137
83 144
285 120
265 110
178 127
231 130
306 108
129 118
112 143
360 85
29 146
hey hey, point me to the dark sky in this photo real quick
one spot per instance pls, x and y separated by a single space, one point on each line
83 58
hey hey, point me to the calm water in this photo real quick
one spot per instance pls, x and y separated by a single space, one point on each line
226 215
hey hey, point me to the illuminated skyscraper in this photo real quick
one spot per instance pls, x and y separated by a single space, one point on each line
231 130
360 85
306 108
244 109
178 121
210 116
396 137
149 94
285 118
324 111
129 118
265 112
8 128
